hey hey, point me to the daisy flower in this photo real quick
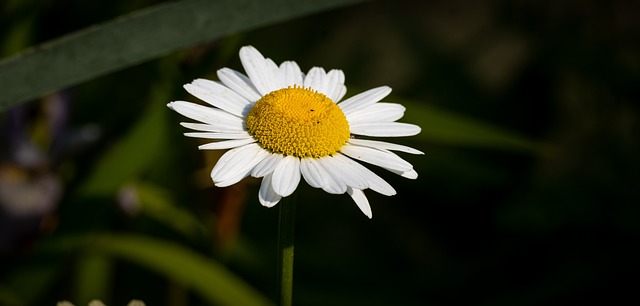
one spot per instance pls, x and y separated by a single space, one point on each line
282 125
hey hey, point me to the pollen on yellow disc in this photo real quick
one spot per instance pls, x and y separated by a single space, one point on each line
299 122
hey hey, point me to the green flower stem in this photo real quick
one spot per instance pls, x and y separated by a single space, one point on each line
286 222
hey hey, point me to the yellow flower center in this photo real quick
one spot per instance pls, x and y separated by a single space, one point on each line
299 122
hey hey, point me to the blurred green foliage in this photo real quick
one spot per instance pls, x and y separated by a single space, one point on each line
527 193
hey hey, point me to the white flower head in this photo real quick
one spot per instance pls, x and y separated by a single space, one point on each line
282 125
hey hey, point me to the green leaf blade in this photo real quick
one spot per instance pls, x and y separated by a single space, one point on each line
441 126
211 280
135 38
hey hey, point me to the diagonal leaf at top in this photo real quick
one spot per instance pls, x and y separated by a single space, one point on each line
138 37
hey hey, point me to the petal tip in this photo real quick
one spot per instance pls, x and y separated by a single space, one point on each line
247 48
268 204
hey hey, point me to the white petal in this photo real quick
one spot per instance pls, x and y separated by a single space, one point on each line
290 74
378 112
361 200
335 85
380 158
210 115
364 99
226 144
330 84
384 145
240 83
211 135
336 74
381 186
286 176
218 128
267 196
219 96
271 64
385 129
235 178
267 165
339 93
374 182
242 171
313 173
349 173
237 160
412 175
316 79
264 74
335 183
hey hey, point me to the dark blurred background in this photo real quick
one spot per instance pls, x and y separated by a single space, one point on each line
555 223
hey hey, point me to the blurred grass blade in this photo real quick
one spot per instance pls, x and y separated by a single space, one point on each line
138 37
26 283
131 155
453 129
212 281
93 278
157 204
